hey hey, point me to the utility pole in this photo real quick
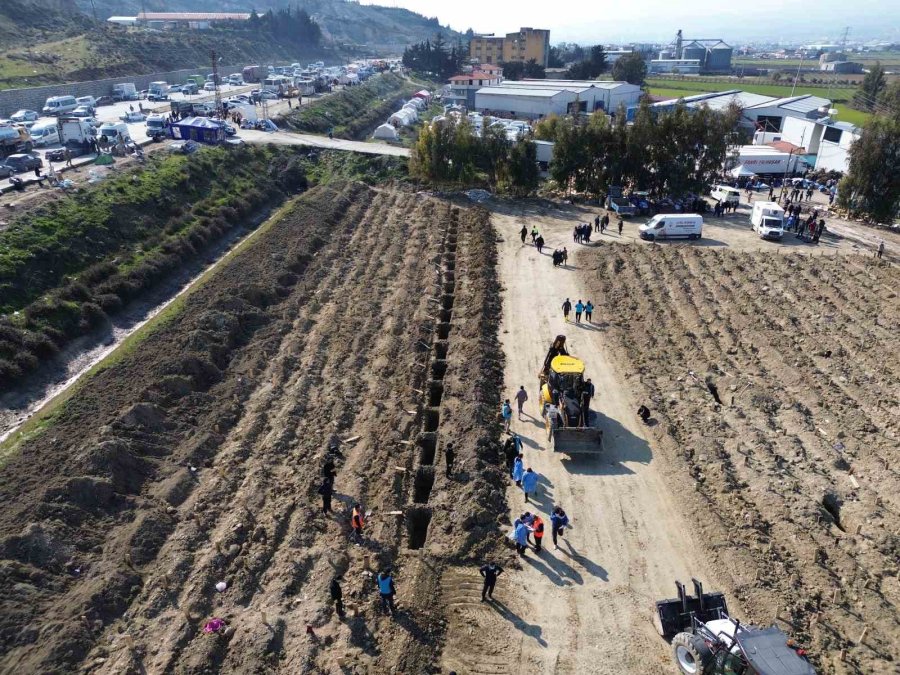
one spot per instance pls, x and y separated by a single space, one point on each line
217 96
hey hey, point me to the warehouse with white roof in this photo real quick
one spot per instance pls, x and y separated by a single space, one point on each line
539 98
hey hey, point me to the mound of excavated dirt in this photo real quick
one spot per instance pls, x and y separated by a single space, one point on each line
363 315
773 386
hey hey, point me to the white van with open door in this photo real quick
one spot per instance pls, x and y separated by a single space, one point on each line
726 194
672 226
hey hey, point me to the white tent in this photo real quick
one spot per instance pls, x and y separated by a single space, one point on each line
402 118
741 171
417 102
386 132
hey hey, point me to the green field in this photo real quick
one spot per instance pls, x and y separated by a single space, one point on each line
678 88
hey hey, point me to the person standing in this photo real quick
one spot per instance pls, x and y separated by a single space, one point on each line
597 224
450 458
521 397
576 234
326 490
579 309
529 482
558 522
510 452
490 572
387 591
621 223
588 311
566 308
337 595
603 223
506 413
523 233
534 234
565 256
539 243
538 527
521 536
328 470
880 249
518 470
357 522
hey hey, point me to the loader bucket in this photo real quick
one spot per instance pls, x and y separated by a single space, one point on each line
676 615
577 440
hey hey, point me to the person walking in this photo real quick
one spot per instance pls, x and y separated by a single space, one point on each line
518 469
506 413
566 308
510 452
449 458
576 234
880 251
603 223
621 224
523 233
387 591
529 482
328 470
588 310
521 397
68 155
534 235
337 595
558 522
565 256
579 309
538 526
539 243
520 534
357 522
326 490
490 572
597 224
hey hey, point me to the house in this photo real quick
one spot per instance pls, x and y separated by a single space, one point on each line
827 142
463 87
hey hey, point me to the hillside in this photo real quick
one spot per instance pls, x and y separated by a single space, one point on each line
381 29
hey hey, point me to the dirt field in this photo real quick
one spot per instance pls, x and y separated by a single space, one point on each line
197 458
783 494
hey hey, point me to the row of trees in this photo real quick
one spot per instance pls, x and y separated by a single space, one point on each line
670 153
452 153
288 24
436 58
871 185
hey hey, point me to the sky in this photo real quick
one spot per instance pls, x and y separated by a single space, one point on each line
602 21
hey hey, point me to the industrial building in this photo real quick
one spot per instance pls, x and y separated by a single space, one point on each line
194 20
529 99
758 112
675 66
523 45
712 55
843 67
826 143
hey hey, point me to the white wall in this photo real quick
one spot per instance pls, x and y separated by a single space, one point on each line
528 107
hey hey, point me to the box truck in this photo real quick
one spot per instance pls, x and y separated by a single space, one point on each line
672 226
124 91
768 220
254 73
158 91
763 160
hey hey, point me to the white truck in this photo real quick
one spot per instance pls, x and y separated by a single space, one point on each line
124 91
158 91
764 160
672 226
767 219
75 130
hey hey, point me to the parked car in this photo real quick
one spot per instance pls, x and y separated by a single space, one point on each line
209 86
44 133
24 116
23 163
6 171
82 111
133 116
103 100
88 101
184 147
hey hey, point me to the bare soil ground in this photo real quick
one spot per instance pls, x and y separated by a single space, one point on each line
362 314
782 493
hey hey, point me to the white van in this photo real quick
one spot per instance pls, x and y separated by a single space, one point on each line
768 220
58 105
726 194
44 133
672 226
112 131
87 101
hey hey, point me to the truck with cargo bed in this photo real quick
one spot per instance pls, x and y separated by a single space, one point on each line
621 205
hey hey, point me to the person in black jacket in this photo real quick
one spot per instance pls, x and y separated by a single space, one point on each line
338 596
490 572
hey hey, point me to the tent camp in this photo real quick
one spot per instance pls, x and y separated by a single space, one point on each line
417 102
386 132
402 118
200 129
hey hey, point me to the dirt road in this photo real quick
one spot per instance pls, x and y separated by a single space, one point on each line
584 608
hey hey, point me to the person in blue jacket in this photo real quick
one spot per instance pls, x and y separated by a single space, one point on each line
387 591
558 522
579 308
521 535
518 470
506 412
529 482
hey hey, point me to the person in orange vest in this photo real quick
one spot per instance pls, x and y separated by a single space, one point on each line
538 526
357 522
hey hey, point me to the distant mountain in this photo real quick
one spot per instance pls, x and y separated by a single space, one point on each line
343 23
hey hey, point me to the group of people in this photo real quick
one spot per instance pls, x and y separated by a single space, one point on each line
723 207
531 525
384 581
601 223
580 308
582 233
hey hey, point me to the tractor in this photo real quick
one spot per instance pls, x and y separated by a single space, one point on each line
565 402
706 641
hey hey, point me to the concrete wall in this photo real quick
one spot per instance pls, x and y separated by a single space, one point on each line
33 98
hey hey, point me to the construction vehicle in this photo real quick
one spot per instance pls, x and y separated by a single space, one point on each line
564 401
707 641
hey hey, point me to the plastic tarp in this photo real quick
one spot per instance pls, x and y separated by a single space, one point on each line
200 129
742 171
386 132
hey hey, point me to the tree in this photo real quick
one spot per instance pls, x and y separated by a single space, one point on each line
513 70
872 185
889 101
554 58
519 172
589 68
435 58
534 70
631 68
870 88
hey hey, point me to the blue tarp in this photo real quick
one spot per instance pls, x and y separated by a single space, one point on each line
200 129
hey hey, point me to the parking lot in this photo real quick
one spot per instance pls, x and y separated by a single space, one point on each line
137 130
